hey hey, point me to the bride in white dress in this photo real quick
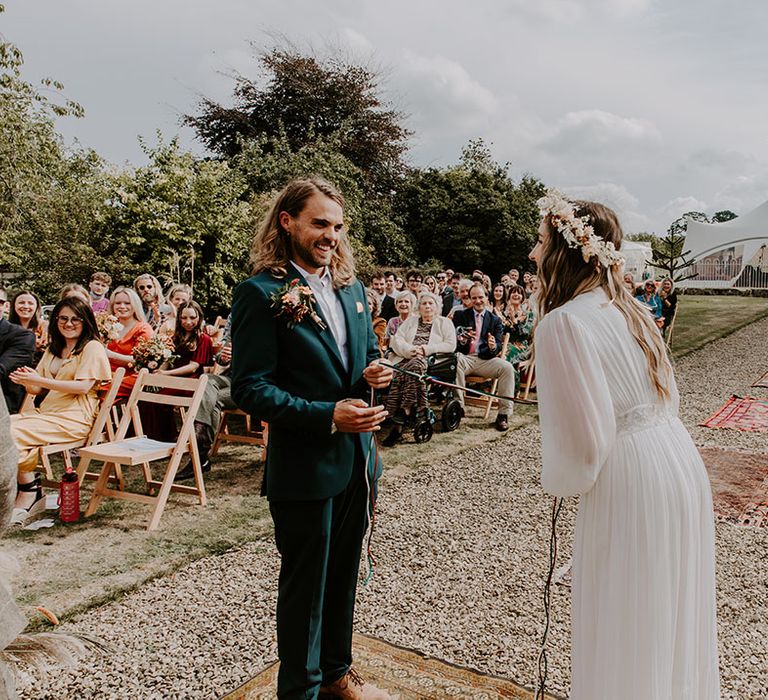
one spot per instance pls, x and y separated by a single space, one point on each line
644 625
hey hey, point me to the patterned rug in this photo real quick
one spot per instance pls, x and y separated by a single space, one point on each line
405 674
741 413
762 383
739 485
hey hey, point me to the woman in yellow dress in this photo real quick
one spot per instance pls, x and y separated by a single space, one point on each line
71 372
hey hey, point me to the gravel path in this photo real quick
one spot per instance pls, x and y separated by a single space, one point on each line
461 548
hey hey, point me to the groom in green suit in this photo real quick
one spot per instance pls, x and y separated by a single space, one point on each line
305 360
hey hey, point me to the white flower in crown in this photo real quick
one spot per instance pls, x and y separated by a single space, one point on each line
576 230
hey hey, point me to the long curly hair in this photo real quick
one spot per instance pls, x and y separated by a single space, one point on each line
271 247
563 274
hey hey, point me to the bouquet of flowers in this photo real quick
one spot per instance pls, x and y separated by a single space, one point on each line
109 327
153 353
295 301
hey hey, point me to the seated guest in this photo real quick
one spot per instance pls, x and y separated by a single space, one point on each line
71 371
649 298
178 294
488 284
464 301
379 285
216 398
98 288
668 297
479 344
26 312
379 324
17 349
404 303
193 347
629 282
423 334
530 285
5 305
151 294
451 297
521 320
499 302
399 284
125 305
388 309
431 284
442 284
75 290
514 276
413 281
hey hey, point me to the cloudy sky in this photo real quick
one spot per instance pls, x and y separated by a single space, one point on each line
655 108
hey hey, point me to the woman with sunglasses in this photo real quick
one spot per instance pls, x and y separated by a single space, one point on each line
70 374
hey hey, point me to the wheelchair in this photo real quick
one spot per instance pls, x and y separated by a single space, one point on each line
443 406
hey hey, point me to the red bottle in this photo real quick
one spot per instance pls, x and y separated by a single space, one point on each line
69 497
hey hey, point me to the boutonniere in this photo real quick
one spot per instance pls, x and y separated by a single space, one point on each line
295 302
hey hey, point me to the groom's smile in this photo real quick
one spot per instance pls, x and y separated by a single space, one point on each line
314 232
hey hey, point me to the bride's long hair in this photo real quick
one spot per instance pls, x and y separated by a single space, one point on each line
563 274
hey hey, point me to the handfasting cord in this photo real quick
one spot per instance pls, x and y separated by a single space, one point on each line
424 377
370 484
541 663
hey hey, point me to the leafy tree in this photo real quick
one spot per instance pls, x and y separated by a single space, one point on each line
298 99
185 220
669 254
722 216
471 215
50 198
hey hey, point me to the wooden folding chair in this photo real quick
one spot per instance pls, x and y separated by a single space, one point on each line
102 428
490 384
140 450
251 437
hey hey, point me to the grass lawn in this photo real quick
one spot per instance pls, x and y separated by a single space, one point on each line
702 319
69 568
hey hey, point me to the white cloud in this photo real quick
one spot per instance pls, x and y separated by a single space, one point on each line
618 198
595 129
359 43
678 206
743 193
446 81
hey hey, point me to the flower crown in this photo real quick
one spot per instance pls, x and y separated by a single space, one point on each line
576 229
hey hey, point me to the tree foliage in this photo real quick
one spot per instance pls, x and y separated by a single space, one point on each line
298 99
184 220
669 252
471 215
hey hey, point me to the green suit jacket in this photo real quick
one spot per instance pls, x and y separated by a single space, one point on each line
292 378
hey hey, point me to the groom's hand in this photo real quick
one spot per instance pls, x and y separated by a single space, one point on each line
356 416
378 376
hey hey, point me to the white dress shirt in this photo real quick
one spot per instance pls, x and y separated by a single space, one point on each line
330 305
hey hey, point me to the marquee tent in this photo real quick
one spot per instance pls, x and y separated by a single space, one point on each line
730 254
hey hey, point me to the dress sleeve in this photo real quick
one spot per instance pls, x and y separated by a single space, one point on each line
578 425
93 363
203 354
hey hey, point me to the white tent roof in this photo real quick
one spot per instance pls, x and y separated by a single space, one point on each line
708 238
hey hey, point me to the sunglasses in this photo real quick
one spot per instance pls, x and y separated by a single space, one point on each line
74 320
142 287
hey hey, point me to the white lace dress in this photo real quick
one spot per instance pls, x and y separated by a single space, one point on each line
644 625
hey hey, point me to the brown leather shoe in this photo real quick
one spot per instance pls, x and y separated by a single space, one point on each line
352 687
502 423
